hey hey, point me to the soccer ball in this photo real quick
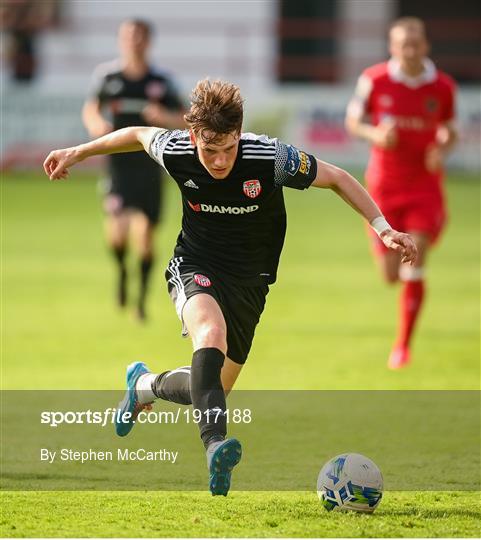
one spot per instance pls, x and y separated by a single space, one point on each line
350 482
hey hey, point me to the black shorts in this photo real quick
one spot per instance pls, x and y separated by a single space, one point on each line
241 306
140 194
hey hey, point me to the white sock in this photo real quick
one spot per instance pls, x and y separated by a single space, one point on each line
144 388
410 273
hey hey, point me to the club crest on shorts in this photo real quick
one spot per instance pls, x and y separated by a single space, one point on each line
201 280
252 188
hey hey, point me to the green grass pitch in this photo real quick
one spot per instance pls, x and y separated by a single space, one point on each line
329 324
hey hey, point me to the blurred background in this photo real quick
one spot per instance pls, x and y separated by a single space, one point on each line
329 321
296 62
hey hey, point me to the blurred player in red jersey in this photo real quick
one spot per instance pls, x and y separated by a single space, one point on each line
405 108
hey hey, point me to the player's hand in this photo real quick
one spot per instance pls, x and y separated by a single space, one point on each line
385 135
58 162
434 158
402 243
156 115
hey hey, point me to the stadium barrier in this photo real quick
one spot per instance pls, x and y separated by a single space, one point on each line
34 123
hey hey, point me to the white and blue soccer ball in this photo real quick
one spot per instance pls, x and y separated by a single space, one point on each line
350 482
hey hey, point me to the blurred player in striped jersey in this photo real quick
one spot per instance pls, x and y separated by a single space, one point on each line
132 93
405 109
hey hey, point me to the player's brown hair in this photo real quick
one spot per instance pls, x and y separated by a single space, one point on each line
408 23
216 106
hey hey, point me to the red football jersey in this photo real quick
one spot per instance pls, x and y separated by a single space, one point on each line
417 106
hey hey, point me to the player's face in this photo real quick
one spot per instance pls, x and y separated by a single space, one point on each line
217 157
409 47
133 40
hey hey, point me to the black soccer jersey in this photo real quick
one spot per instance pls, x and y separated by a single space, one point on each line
235 226
124 99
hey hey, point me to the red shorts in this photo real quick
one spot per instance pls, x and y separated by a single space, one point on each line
422 215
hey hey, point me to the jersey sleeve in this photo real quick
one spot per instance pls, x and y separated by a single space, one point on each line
293 168
100 78
360 103
97 84
158 143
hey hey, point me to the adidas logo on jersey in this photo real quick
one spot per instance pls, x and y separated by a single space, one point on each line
191 183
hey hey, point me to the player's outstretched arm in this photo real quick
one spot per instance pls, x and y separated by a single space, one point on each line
347 187
130 139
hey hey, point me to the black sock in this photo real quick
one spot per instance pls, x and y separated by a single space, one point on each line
119 254
173 386
145 268
146 264
208 394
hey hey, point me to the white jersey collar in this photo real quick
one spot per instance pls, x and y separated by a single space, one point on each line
427 76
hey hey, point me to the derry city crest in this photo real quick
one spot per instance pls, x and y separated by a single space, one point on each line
252 188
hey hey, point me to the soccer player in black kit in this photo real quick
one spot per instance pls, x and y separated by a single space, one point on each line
227 252
133 93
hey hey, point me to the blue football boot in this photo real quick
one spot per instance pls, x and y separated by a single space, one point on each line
130 403
222 457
